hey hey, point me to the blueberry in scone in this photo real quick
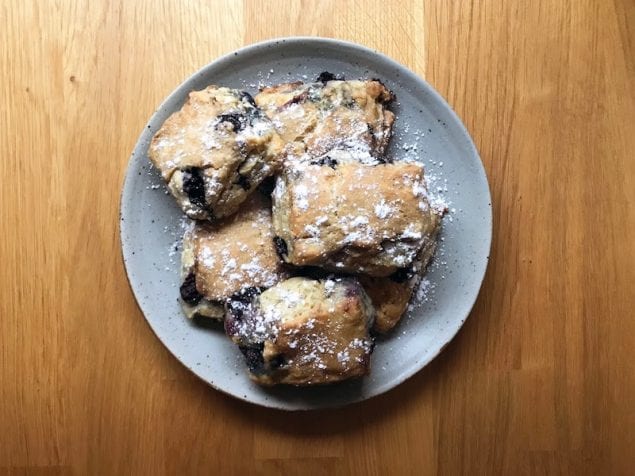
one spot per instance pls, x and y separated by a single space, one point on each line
390 295
353 217
224 258
215 151
314 118
304 331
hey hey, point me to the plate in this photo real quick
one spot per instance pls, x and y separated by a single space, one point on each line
426 128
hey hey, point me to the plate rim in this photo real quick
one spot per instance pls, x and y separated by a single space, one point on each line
150 127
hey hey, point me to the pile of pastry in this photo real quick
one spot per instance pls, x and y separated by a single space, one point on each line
306 238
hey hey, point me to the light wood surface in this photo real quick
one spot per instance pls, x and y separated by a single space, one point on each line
541 379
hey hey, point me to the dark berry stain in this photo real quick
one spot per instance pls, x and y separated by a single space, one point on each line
188 290
246 295
238 121
325 161
243 182
245 96
281 246
239 302
277 362
230 324
194 186
237 309
352 291
324 77
254 359
402 275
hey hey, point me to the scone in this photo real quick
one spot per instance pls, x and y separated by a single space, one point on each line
391 295
314 118
224 258
304 331
351 217
215 151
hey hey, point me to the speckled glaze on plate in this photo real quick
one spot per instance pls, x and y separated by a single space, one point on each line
425 126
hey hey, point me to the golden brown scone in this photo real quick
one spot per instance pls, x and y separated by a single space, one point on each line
351 217
225 258
304 331
215 151
314 118
391 295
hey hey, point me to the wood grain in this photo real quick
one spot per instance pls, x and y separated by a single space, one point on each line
539 381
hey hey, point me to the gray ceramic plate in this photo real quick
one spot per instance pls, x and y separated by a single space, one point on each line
426 128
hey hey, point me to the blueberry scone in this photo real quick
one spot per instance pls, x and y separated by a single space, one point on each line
314 118
221 259
347 216
391 295
304 331
215 151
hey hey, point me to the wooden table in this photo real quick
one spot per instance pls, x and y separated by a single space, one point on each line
540 380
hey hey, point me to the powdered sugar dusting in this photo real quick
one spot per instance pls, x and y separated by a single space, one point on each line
329 286
410 233
301 196
207 258
423 292
383 210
